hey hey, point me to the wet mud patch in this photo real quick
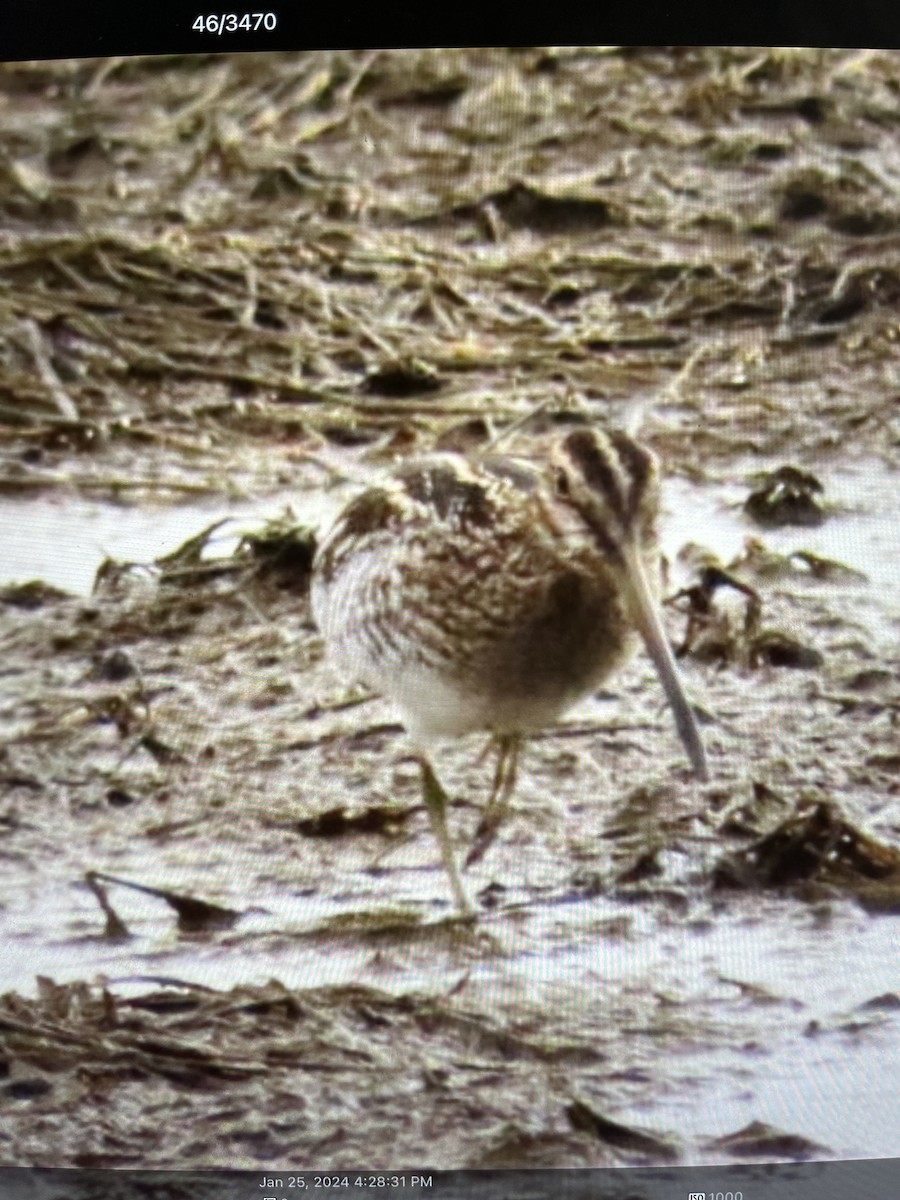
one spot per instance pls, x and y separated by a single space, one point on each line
178 750
259 281
268 1075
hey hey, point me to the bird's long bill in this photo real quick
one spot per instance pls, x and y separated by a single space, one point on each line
645 615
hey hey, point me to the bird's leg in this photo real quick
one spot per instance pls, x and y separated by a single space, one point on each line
436 802
497 808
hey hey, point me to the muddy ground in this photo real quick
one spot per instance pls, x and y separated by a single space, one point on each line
236 284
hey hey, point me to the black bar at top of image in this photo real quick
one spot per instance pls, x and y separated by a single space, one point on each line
867 1179
47 29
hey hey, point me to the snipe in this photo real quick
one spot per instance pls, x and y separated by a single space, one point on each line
493 593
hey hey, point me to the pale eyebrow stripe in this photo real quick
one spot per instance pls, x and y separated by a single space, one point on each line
602 471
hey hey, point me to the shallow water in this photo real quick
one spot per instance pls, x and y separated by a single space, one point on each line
62 540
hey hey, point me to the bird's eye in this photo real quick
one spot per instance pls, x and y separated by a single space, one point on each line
562 483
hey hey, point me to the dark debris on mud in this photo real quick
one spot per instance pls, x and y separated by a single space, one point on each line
261 1074
816 847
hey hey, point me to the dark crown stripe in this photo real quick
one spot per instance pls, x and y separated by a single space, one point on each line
596 459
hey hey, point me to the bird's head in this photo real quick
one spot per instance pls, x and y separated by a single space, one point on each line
612 483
